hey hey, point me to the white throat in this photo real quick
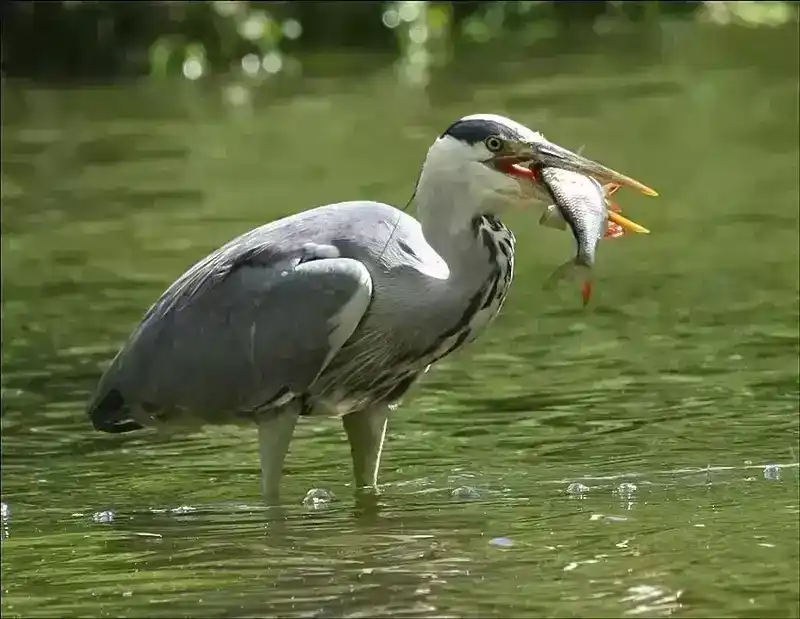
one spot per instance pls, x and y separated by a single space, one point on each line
451 192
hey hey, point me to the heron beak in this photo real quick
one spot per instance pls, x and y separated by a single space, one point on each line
527 157
550 155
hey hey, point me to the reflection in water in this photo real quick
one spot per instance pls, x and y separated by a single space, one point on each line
638 458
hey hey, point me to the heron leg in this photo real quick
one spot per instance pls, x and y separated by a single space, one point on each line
274 435
366 430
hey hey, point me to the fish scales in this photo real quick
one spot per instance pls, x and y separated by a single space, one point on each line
580 202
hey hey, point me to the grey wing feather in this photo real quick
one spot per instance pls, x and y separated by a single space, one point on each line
238 331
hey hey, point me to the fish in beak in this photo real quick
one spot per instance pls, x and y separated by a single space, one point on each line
580 189
580 202
528 159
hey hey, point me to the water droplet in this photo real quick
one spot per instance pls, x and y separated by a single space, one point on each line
5 511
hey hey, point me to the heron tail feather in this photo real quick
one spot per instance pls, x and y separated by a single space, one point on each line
111 414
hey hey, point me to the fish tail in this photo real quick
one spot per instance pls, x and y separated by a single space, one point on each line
576 268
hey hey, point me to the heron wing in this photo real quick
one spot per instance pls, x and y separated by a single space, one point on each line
237 335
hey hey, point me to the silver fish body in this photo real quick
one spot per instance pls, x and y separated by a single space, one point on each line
580 202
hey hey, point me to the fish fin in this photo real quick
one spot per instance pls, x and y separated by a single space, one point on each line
613 231
551 218
586 292
572 269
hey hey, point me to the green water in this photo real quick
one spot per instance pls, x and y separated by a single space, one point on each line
681 379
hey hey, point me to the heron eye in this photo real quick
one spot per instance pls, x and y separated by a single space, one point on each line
494 143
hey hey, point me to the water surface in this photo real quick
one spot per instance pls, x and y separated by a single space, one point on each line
666 399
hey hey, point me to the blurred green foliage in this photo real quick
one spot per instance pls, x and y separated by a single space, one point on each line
92 39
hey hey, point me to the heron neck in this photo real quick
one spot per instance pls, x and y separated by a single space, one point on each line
449 228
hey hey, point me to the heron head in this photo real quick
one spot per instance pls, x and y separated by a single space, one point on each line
493 161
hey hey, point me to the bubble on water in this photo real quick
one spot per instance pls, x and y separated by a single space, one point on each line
626 490
501 542
183 509
772 472
577 489
607 518
104 517
465 493
5 510
318 498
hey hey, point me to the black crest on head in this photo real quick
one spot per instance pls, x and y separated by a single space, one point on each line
474 130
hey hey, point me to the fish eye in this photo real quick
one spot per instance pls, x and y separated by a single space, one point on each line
494 143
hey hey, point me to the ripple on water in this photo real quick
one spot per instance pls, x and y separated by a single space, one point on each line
577 490
647 388
318 499
5 516
104 517
466 493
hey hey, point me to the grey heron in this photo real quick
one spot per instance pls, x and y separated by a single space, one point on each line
337 310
